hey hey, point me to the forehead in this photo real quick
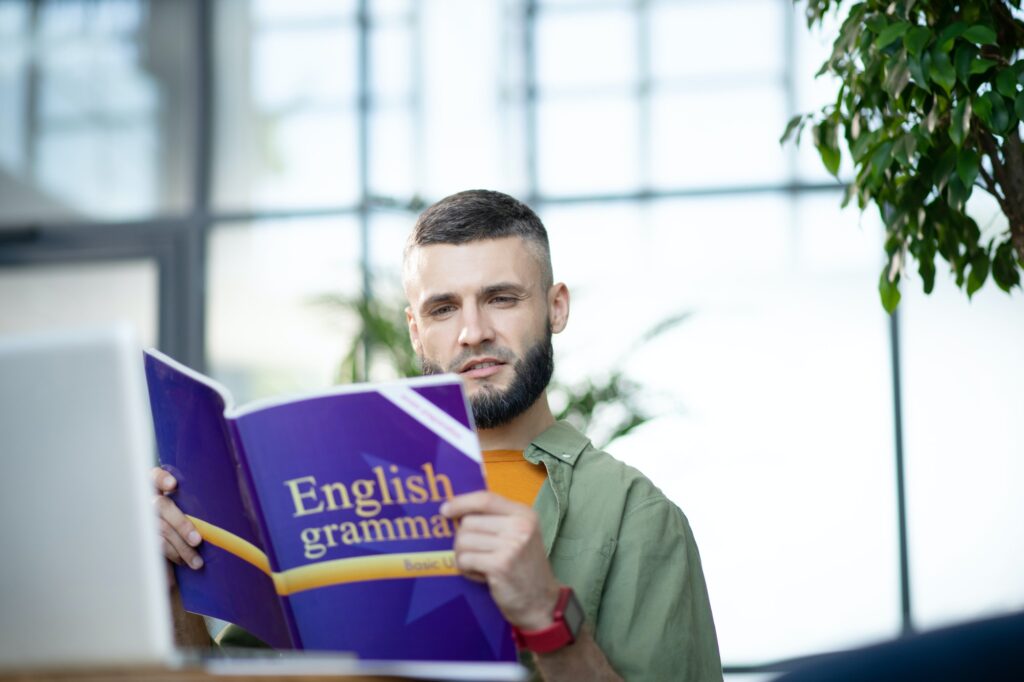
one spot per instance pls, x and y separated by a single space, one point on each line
464 268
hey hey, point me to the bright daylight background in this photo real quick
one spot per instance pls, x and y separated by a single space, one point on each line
208 170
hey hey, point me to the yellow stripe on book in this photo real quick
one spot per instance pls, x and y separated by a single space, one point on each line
337 572
229 542
359 569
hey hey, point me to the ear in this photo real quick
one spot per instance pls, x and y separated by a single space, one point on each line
414 331
558 307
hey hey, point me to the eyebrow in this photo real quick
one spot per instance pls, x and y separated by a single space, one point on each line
490 290
437 299
502 288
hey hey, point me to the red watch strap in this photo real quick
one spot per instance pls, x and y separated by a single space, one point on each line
559 634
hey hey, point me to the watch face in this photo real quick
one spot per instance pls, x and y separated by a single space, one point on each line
573 614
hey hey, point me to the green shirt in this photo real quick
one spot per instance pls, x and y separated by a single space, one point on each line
629 554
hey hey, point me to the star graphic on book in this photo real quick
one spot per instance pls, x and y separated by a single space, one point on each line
432 593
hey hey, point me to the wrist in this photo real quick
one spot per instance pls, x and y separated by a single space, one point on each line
564 624
540 614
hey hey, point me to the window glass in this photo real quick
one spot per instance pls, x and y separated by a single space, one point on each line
286 129
773 403
14 52
709 137
96 118
582 50
466 136
588 145
275 321
395 165
962 413
392 62
811 47
706 41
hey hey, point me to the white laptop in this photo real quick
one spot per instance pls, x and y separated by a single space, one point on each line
82 581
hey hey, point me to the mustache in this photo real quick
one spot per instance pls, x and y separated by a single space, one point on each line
503 354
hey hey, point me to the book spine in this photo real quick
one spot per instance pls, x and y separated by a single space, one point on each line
251 500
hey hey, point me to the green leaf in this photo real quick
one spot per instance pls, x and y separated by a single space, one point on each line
967 165
1018 106
897 76
957 193
916 38
926 267
983 108
876 23
880 160
960 123
942 71
949 35
917 71
793 124
1004 268
962 62
827 142
904 148
888 291
979 273
891 33
1006 83
980 34
943 167
981 66
1000 118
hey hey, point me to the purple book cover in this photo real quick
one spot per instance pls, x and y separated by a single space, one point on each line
320 515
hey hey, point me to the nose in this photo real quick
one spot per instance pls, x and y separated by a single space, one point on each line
476 327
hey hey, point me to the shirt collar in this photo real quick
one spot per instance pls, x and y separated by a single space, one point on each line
561 441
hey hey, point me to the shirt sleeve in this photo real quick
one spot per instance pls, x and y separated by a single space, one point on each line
655 619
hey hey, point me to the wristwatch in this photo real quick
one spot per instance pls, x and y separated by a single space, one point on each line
568 617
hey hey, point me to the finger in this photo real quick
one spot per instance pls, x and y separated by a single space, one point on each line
478 542
475 577
169 512
475 563
484 523
481 502
178 547
163 480
170 553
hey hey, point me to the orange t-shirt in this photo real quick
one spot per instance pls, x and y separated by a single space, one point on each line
511 476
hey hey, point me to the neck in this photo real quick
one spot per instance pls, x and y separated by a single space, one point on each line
519 432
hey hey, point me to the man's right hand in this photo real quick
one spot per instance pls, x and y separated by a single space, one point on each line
179 537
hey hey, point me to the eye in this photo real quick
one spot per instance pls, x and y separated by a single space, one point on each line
504 300
442 310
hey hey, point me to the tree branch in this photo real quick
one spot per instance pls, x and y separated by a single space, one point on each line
1013 188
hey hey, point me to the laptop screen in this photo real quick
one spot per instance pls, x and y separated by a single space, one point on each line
82 582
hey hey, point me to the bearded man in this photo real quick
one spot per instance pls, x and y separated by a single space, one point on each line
595 569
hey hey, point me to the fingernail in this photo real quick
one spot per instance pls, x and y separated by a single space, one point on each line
194 538
197 562
168 481
444 509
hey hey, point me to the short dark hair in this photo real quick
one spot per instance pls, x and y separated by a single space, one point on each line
479 214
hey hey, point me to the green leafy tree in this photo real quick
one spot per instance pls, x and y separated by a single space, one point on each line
930 105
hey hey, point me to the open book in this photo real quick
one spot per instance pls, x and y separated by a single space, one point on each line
320 514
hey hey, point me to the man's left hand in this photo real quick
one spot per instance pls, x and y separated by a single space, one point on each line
499 542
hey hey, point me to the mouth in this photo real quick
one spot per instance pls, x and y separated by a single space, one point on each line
479 368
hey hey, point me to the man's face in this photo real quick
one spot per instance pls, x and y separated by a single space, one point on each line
480 310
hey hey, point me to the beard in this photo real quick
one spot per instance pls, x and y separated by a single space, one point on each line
493 407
